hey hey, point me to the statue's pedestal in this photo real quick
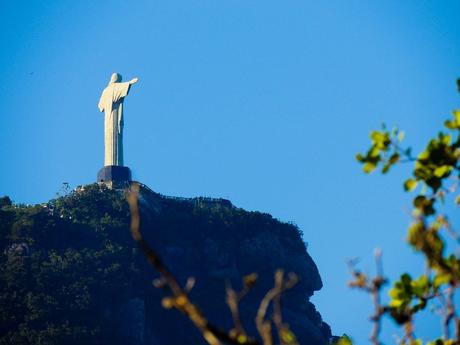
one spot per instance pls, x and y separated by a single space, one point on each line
114 176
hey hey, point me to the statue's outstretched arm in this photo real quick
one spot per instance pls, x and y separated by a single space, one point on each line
133 81
100 106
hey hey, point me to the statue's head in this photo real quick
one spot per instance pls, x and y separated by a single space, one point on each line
115 78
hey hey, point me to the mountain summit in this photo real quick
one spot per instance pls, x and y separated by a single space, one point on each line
71 273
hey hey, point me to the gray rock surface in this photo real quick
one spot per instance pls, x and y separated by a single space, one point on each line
218 243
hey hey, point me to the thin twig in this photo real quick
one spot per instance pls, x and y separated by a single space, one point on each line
263 325
233 300
373 287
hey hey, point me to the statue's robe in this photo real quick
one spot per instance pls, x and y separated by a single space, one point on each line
111 103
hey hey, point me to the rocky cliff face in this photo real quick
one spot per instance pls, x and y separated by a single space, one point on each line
210 240
218 244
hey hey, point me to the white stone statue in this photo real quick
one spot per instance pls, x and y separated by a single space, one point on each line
111 103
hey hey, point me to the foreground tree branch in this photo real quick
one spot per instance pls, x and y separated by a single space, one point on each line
435 176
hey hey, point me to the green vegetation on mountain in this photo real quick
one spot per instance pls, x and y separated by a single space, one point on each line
66 268
71 273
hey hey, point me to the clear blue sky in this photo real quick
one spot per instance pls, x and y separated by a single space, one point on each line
262 102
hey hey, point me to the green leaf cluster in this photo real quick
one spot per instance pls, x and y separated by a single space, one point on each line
382 150
408 296
437 161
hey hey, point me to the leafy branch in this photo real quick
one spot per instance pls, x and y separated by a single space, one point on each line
436 171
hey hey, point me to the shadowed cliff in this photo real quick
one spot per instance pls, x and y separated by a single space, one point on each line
71 273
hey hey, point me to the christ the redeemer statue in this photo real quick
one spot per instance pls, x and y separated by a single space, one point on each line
111 103
114 174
